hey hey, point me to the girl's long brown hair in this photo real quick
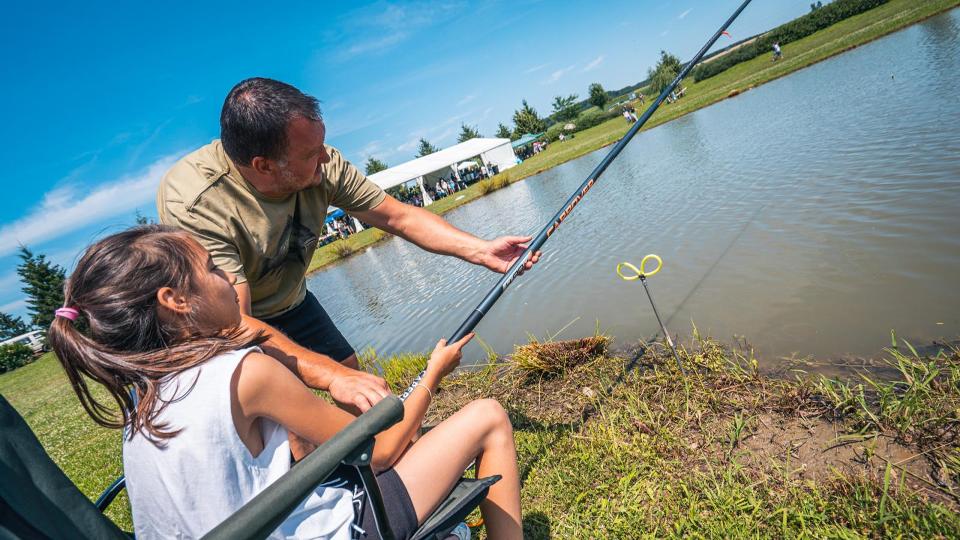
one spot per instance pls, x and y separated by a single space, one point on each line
128 346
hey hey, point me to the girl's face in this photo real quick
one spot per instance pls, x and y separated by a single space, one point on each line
217 305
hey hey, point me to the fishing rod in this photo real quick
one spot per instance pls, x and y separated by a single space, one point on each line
517 268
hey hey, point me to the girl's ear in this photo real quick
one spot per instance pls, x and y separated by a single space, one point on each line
173 301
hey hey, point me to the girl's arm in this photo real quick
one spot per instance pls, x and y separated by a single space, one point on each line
262 387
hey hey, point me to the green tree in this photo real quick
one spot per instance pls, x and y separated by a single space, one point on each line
527 120
467 133
374 165
11 326
142 219
504 132
665 71
565 108
598 96
43 284
426 148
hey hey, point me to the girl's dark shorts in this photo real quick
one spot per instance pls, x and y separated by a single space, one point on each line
310 327
397 503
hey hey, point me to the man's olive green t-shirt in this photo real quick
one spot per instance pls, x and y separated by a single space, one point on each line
267 242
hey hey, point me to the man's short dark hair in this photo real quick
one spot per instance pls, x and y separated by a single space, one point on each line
254 118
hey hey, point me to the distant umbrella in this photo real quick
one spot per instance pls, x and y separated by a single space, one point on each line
570 127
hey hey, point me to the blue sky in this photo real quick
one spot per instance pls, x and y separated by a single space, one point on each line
100 98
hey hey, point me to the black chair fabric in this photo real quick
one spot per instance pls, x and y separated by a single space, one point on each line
36 499
466 495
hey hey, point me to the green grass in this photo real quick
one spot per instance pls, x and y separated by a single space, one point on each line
819 46
617 447
87 453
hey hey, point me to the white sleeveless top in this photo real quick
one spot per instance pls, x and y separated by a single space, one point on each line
206 473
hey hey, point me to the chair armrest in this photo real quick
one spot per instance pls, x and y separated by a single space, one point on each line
265 512
105 498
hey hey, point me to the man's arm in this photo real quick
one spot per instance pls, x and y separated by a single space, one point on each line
346 386
430 232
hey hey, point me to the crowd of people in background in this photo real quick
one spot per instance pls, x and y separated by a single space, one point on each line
337 228
445 185
528 151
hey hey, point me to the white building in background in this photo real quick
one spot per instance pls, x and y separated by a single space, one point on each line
34 340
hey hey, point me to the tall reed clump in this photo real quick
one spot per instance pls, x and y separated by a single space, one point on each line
553 358
492 184
342 248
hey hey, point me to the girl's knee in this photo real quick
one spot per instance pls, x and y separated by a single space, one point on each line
492 413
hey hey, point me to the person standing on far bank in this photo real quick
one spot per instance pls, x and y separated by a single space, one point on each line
257 198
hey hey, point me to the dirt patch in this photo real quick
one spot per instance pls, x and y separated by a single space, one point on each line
817 449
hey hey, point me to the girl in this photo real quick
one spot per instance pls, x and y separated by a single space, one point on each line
210 418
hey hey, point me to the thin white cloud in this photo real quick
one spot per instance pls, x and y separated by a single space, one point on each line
665 32
594 64
371 149
379 27
558 74
9 282
487 112
535 69
466 99
408 146
68 208
376 44
16 306
684 14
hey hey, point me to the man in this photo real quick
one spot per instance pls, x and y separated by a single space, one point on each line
257 199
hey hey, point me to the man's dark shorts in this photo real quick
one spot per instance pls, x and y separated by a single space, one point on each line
310 326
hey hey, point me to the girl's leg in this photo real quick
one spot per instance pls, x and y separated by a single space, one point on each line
431 467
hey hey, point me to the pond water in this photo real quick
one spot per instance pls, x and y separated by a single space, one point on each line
811 215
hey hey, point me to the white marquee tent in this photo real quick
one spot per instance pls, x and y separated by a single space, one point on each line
425 171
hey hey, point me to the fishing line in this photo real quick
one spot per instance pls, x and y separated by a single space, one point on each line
518 266
713 266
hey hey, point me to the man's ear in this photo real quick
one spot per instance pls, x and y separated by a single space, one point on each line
262 165
173 301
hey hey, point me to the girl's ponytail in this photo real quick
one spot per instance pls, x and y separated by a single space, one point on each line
82 360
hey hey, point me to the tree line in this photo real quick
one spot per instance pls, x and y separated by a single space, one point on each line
526 119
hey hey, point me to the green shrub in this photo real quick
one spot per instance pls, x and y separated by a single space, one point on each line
800 27
586 120
14 355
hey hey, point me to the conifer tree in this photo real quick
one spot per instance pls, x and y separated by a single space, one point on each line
527 120
374 165
11 326
504 132
43 283
426 148
467 133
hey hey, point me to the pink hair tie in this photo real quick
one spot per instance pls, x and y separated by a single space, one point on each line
67 313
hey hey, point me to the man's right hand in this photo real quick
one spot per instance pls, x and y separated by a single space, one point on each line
357 391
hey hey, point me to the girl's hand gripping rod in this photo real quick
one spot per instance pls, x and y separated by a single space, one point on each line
517 268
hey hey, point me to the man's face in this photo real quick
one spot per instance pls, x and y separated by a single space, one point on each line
300 169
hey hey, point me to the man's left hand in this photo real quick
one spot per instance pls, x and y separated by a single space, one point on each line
499 254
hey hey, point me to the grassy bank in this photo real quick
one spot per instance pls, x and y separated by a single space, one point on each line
621 446
840 37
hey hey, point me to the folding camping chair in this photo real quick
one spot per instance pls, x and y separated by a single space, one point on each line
37 500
